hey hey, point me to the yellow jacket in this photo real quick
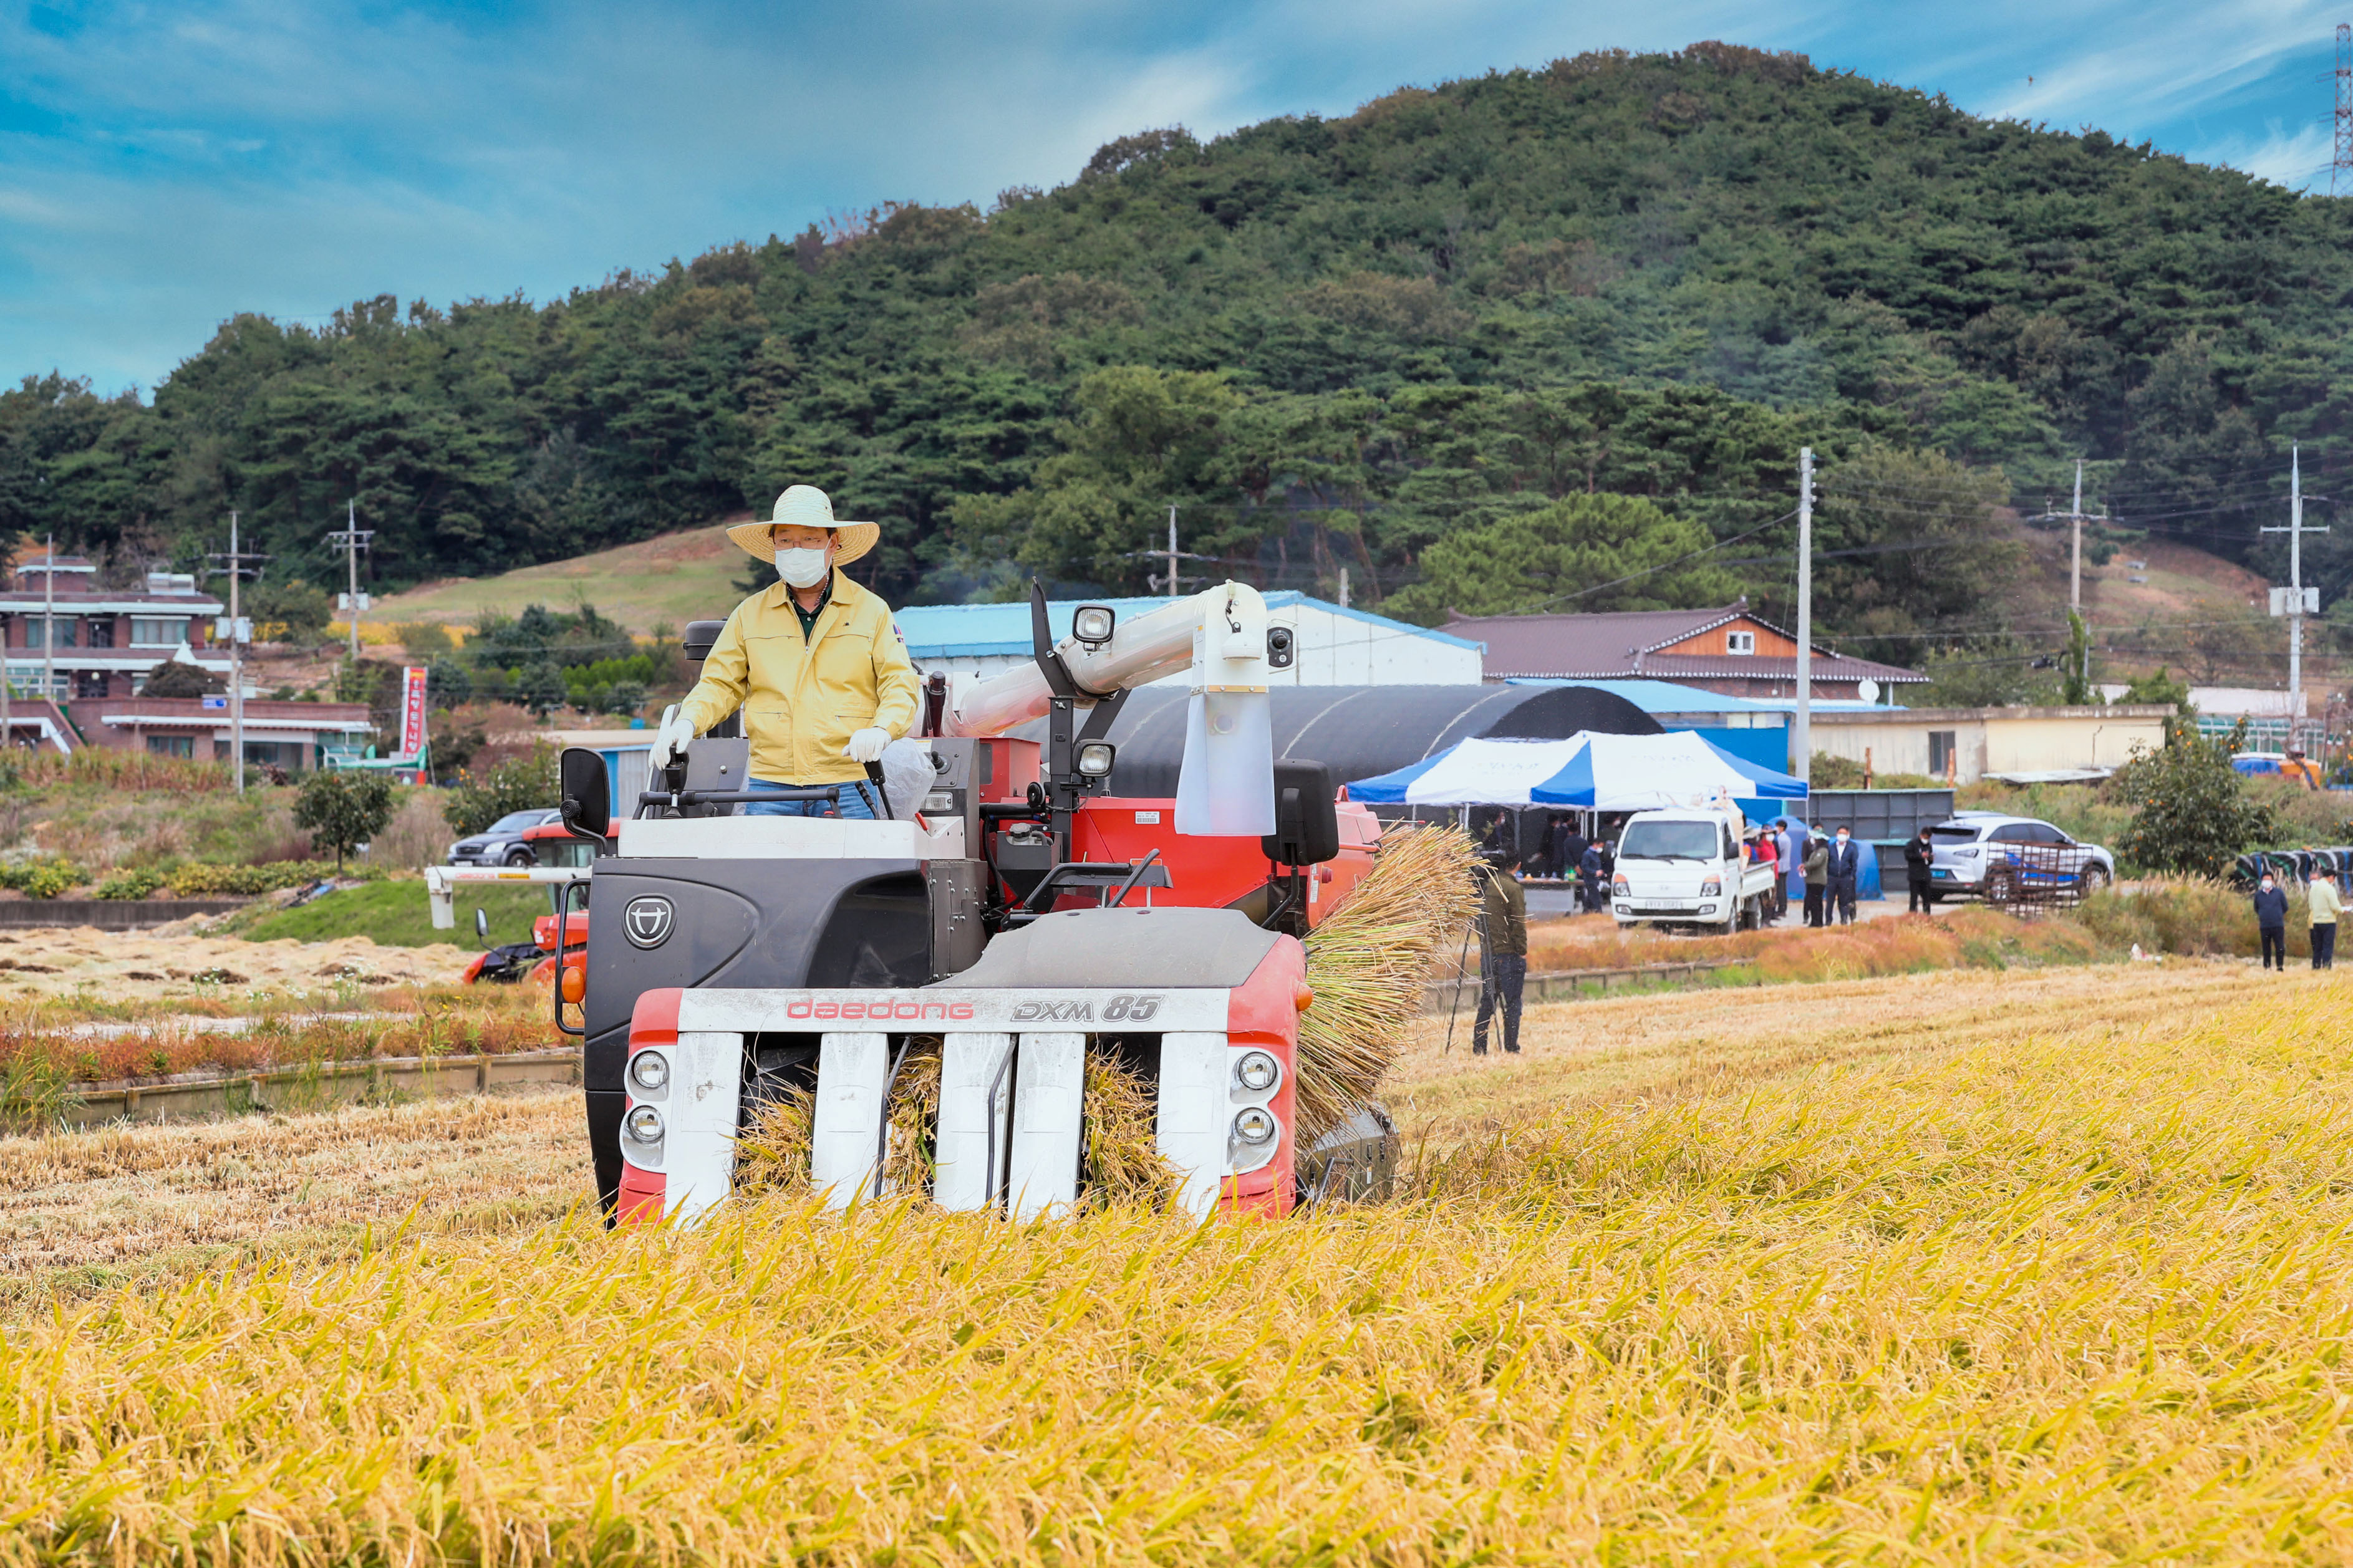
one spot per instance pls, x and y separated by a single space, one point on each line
802 700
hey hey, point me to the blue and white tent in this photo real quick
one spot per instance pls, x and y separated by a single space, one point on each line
1598 772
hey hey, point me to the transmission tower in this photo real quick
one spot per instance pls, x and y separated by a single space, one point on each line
2340 173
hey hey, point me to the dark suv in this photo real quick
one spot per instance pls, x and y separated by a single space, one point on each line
502 843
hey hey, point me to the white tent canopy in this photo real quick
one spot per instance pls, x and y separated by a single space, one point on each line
1598 772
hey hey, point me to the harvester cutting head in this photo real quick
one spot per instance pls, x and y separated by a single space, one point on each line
1199 1005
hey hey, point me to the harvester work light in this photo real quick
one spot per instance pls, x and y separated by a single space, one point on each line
1257 1072
1254 1126
1095 759
1091 623
646 1124
649 1069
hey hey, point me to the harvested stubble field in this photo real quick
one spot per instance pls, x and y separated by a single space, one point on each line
1959 1266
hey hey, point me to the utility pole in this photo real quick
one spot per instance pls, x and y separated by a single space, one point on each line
1803 740
2295 530
2340 173
1344 587
2076 569
351 542
1174 584
49 625
236 665
235 564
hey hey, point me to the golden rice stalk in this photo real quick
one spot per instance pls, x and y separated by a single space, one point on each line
1370 963
773 1155
914 1117
1123 1163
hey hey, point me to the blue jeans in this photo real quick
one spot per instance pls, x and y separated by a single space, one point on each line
854 804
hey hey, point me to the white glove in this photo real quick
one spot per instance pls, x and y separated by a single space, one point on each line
670 741
866 745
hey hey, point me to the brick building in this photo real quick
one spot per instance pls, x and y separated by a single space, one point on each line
98 645
106 639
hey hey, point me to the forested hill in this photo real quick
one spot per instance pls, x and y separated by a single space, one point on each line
1330 343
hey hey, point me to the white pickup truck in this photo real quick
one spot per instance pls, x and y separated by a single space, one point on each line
1687 868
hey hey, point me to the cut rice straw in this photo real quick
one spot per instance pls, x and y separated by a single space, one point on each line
1370 963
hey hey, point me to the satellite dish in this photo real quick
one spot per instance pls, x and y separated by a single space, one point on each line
1867 689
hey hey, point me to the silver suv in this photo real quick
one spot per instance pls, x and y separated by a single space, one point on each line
1989 854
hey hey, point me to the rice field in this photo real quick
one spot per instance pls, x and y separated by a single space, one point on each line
1959 1266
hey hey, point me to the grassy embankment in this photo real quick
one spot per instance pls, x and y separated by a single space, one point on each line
1954 1268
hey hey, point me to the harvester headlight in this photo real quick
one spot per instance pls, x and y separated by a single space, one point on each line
645 1124
1092 623
649 1069
1257 1072
1095 759
1254 1127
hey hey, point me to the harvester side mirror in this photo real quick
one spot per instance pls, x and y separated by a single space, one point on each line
587 792
482 929
1306 815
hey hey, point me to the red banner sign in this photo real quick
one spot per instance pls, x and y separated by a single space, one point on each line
412 710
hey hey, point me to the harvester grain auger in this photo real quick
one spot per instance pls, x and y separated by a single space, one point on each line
1016 918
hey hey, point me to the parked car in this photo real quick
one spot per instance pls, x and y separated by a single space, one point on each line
502 843
1984 853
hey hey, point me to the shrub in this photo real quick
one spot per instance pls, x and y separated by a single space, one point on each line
518 784
139 884
2192 812
342 810
41 876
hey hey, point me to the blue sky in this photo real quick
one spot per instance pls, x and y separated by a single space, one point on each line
163 167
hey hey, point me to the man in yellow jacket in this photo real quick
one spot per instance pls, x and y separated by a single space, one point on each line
817 666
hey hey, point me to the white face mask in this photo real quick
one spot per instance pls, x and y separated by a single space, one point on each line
801 568
2267 884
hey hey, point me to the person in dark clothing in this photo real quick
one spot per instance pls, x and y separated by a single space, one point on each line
2270 923
1845 867
1588 867
1818 876
1503 950
1917 858
1572 863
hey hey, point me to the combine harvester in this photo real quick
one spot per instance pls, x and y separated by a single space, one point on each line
1017 913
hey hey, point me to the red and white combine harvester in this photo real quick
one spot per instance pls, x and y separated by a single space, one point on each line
1006 905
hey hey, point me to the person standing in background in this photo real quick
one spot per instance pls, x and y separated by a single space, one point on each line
1918 857
1503 949
1793 871
1845 868
1818 876
1588 869
2270 923
2321 900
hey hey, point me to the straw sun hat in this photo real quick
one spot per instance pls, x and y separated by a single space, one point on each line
806 506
